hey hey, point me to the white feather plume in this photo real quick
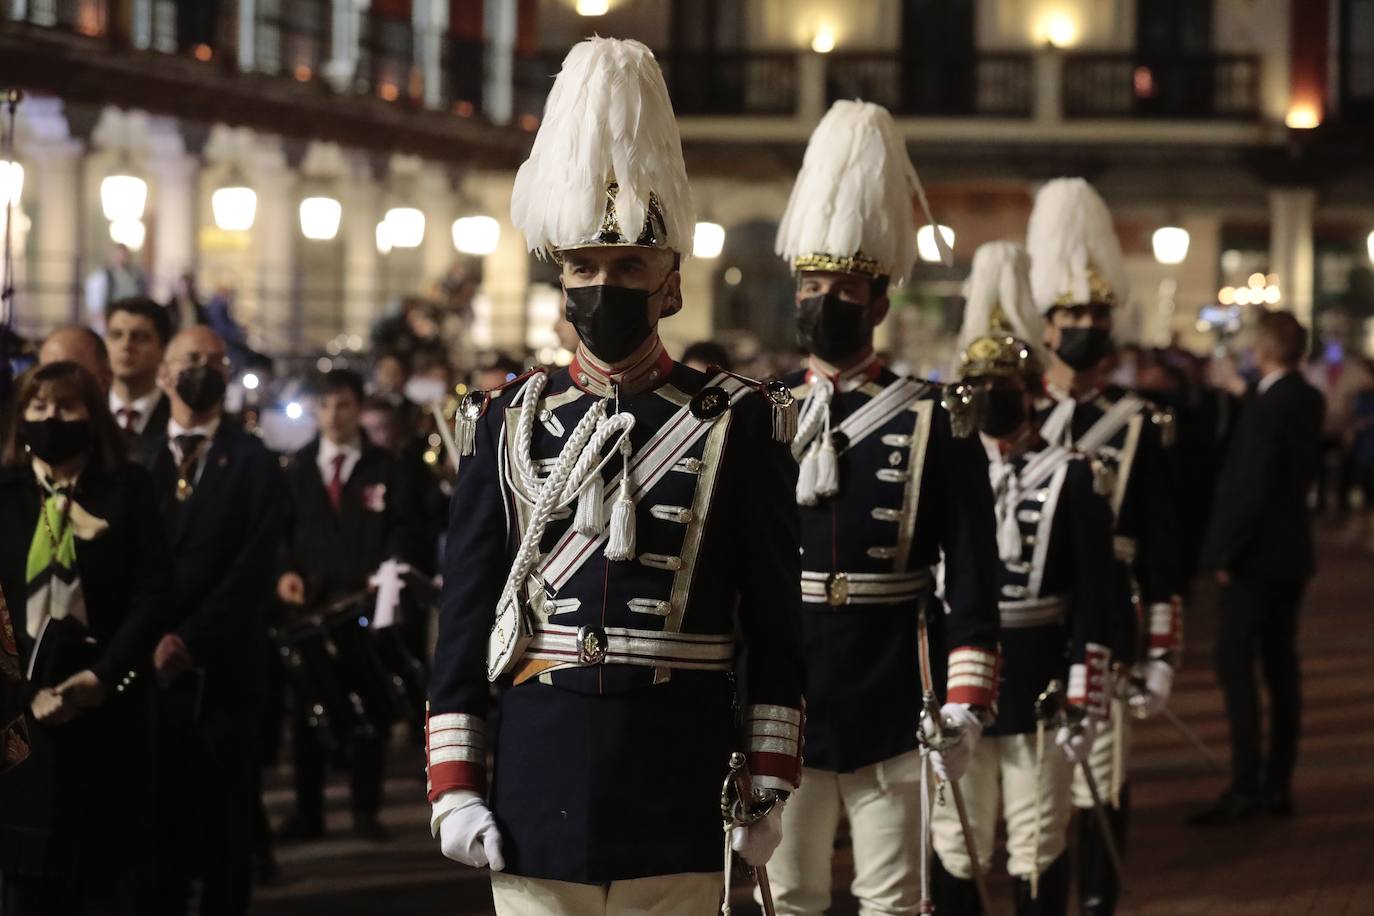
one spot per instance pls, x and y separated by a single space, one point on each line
1000 279
1070 232
607 118
856 192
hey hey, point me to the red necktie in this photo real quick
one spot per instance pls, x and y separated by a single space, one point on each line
128 416
335 487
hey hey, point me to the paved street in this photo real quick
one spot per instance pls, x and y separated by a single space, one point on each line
1322 862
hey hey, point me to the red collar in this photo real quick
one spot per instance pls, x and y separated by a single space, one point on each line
847 379
595 377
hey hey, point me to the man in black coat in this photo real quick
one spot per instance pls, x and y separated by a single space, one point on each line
221 491
1260 545
136 333
349 513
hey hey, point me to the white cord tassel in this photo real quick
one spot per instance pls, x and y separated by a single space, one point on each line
590 520
827 464
621 544
806 477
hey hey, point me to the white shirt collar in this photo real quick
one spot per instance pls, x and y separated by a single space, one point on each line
329 451
1268 381
144 405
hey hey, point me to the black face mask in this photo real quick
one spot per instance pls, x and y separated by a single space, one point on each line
56 441
832 329
1083 348
201 387
611 320
1003 412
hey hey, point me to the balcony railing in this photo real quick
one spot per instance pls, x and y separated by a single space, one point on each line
985 84
1198 86
732 82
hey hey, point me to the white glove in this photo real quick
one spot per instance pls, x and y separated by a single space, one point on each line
1076 741
1159 683
756 843
950 764
389 582
468 834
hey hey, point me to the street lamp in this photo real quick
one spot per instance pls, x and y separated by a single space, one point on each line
123 197
384 244
320 218
234 207
927 247
708 240
405 227
129 232
1170 244
11 181
476 235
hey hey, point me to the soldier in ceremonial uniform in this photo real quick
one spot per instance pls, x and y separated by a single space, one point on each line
1057 594
883 488
615 524
1078 283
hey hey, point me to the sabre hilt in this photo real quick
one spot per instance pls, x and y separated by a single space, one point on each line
741 804
1054 709
942 735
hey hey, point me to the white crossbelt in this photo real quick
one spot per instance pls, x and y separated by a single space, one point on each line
587 646
875 414
866 588
1055 429
1032 612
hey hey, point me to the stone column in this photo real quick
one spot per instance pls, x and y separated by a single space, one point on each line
361 197
173 175
54 161
1291 253
275 231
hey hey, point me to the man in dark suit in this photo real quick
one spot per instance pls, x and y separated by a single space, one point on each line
136 333
222 493
1260 545
348 514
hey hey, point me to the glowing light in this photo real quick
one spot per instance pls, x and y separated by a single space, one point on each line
824 40
11 181
1272 295
708 240
1058 29
406 226
302 73
927 247
476 234
1242 296
1255 281
234 208
384 244
1170 244
130 233
123 197
203 52
389 91
1227 295
320 218
250 381
324 364
592 7
1302 116
733 276
294 410
1369 243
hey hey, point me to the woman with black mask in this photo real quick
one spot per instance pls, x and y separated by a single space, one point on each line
84 580
1056 595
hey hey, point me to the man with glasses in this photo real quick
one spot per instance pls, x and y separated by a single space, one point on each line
222 493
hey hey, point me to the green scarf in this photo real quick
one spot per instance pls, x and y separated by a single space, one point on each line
54 583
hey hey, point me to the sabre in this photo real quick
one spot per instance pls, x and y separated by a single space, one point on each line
1135 686
939 741
740 807
1052 708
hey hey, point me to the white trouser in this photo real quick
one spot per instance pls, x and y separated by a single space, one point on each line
1107 760
883 805
690 894
1001 780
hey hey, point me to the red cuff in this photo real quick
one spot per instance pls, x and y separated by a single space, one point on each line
973 676
774 752
455 754
1088 681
